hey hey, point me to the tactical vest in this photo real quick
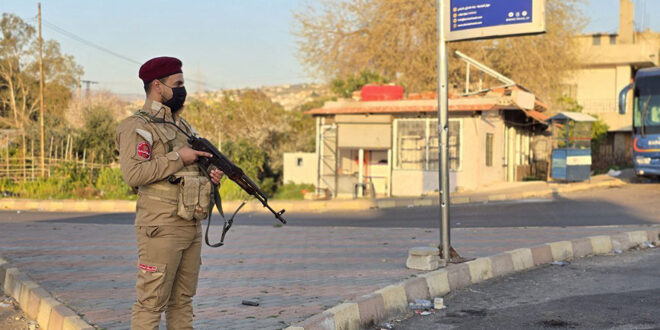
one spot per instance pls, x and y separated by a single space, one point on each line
196 195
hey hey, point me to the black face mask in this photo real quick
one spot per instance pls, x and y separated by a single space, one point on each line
178 97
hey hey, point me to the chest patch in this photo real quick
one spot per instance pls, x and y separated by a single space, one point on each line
143 150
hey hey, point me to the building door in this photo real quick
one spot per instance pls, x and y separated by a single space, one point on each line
377 171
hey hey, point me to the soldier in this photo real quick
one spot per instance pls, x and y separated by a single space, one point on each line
173 196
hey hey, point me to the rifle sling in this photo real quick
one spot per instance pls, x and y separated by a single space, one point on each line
217 202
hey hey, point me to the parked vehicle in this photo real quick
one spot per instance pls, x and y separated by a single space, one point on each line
646 120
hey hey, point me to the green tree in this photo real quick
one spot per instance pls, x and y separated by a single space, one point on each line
250 115
248 157
19 81
19 74
345 87
97 135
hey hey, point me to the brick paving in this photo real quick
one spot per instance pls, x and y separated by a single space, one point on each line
294 272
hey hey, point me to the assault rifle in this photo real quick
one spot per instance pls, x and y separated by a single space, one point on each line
234 173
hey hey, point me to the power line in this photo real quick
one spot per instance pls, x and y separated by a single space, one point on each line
128 59
105 50
88 43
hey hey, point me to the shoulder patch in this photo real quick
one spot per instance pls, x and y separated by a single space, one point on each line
146 135
143 150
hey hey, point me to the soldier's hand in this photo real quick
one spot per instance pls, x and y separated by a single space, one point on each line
216 175
190 155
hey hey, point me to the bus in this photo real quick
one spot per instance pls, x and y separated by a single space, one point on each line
646 120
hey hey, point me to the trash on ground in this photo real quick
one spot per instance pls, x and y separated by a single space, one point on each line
424 313
649 244
32 325
411 206
386 326
559 263
617 251
250 303
613 172
439 303
420 304
4 305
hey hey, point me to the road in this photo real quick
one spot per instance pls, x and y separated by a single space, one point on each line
301 269
633 204
604 292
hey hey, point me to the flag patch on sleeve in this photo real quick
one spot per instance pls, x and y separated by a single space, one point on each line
144 150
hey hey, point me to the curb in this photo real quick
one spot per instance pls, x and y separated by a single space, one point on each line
300 206
37 303
115 206
371 309
458 199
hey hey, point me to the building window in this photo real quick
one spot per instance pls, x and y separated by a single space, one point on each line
411 144
299 162
417 146
596 40
489 149
454 144
612 39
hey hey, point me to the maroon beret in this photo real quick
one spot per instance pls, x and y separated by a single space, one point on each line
159 67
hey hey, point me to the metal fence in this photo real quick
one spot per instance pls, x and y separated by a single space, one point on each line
29 168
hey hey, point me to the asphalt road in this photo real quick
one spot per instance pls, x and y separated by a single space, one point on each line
632 204
604 292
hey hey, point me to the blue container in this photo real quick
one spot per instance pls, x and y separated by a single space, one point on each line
571 164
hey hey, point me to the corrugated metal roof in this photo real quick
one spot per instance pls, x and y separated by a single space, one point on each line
491 100
575 116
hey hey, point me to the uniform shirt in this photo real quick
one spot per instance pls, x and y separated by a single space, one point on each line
145 159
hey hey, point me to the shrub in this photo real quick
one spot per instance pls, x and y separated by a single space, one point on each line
111 185
7 187
293 191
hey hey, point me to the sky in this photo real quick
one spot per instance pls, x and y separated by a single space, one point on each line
222 43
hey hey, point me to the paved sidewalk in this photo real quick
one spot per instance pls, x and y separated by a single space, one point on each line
295 272
496 192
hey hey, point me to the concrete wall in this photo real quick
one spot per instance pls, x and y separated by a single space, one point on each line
598 92
472 172
406 183
300 167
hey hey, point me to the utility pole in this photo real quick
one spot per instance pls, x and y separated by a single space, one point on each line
443 132
88 83
79 92
41 97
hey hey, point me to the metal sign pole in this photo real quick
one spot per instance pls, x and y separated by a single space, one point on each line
443 129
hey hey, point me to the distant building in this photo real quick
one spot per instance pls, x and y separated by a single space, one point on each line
610 62
387 145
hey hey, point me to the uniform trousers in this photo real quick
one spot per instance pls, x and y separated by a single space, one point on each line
169 258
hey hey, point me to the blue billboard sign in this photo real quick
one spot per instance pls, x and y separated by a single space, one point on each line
478 19
470 14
